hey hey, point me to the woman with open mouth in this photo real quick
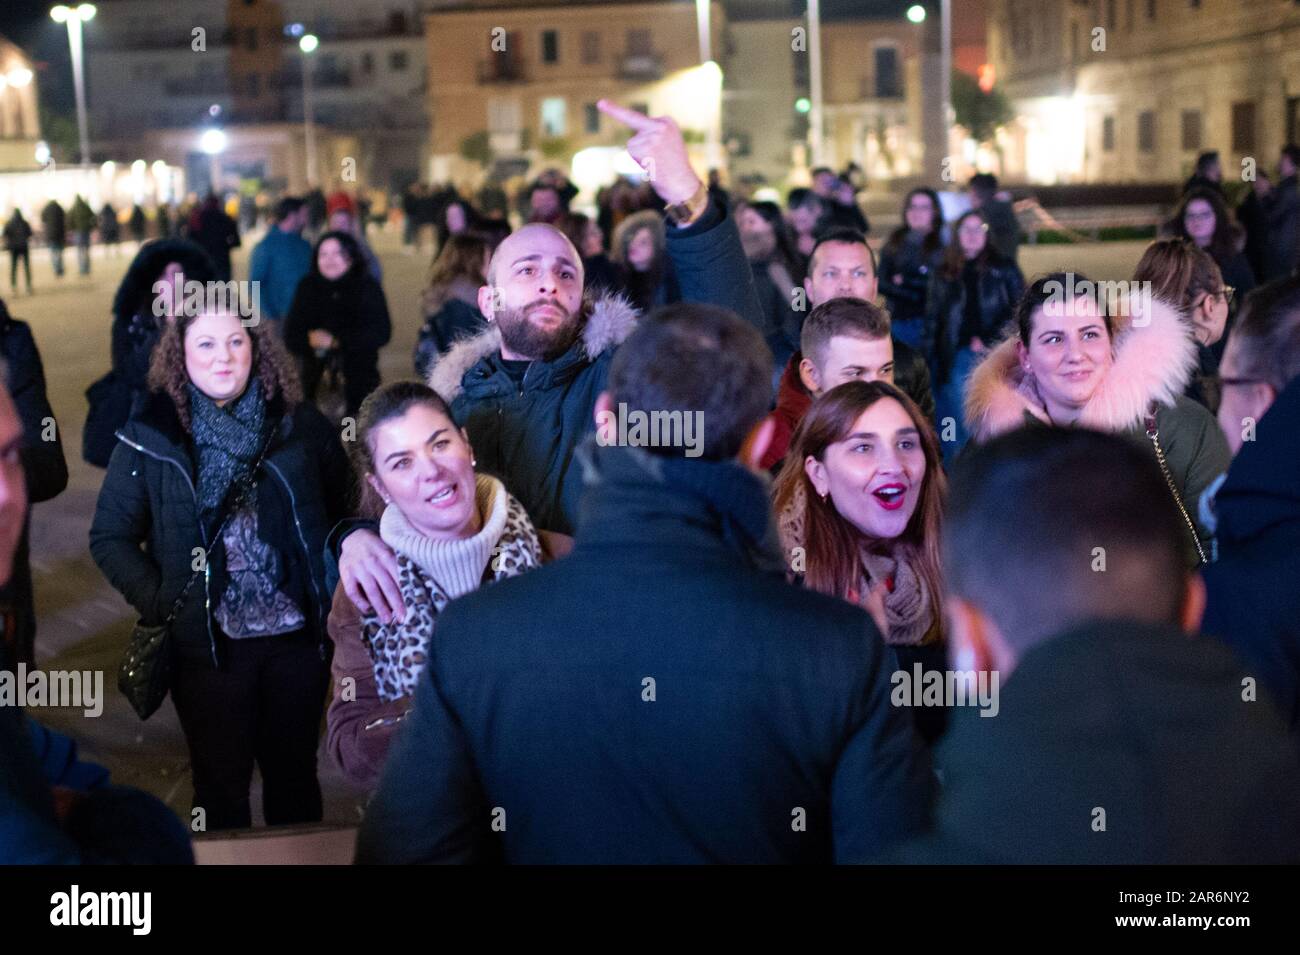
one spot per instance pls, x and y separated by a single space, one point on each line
452 531
859 505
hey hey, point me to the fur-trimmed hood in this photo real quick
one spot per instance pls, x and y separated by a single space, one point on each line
1155 355
611 320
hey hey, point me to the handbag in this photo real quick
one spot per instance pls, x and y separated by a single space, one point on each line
331 393
110 405
144 676
1154 434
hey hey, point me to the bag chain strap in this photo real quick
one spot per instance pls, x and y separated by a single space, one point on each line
1154 434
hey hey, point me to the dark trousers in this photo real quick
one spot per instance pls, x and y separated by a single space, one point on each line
264 707
15 255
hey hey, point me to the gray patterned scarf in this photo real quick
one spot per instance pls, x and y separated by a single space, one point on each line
227 440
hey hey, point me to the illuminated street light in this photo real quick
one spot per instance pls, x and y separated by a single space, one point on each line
213 141
308 45
803 104
74 17
916 13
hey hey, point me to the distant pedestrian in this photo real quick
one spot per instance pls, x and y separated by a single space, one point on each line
216 232
54 221
81 223
1283 213
281 259
17 238
110 230
138 225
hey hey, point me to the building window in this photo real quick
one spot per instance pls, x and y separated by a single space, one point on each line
887 79
1147 131
1151 9
397 61
553 116
550 46
1243 127
1191 129
1111 15
591 118
590 47
638 43
1108 134
503 116
1128 19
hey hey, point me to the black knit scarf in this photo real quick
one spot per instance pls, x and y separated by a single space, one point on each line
227 439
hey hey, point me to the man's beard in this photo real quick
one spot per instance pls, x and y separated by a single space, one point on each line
521 336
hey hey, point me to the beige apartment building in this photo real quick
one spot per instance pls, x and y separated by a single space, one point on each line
513 84
19 123
1132 90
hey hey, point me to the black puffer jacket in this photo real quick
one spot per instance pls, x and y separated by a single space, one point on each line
148 498
1000 287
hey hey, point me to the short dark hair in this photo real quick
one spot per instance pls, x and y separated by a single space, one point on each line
819 170
692 357
351 248
851 317
1206 159
798 198
984 184
287 207
1047 287
1047 528
845 234
1267 333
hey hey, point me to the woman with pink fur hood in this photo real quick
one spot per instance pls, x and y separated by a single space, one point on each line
1073 363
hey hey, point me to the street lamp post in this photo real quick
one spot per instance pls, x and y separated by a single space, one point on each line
815 80
74 17
308 44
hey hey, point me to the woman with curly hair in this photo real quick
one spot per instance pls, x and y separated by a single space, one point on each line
212 518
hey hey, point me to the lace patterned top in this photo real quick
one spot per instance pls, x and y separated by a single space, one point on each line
252 605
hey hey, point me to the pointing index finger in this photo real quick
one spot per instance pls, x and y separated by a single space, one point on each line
629 117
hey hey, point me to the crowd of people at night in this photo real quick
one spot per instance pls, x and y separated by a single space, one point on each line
530 629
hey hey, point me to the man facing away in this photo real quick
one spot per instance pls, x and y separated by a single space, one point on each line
661 695
1121 736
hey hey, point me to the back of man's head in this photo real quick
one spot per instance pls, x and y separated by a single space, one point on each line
984 184
841 317
287 206
1048 528
1266 337
696 358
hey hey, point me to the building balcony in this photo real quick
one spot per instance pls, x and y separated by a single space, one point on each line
502 69
642 67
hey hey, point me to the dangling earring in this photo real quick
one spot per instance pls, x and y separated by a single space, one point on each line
824 496
473 461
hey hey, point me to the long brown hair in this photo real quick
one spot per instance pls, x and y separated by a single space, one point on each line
272 366
461 256
954 256
1179 272
831 544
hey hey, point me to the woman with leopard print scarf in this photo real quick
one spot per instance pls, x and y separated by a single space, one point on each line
453 531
